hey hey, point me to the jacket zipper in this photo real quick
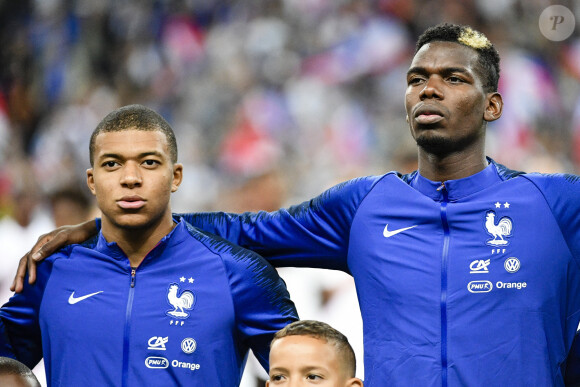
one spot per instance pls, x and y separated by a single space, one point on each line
127 330
444 264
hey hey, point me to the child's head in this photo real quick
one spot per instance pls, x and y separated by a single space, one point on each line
15 374
311 352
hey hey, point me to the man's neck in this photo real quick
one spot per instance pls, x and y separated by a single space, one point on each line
137 243
452 166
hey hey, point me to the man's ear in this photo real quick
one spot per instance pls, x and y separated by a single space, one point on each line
494 107
91 180
354 382
177 177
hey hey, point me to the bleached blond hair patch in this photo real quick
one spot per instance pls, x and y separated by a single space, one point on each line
473 39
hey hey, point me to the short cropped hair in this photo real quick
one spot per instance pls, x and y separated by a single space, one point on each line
9 366
322 331
488 61
134 117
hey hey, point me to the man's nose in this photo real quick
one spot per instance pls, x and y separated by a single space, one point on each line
131 175
432 88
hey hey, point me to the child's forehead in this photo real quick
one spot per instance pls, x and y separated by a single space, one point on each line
305 337
312 343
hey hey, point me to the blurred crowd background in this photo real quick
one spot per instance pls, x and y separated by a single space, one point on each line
272 101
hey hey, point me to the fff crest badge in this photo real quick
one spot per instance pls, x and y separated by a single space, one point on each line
181 302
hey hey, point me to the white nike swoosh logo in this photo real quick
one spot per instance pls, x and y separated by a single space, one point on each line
388 234
73 300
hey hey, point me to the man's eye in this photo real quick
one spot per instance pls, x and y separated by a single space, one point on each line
276 378
313 377
109 164
455 79
414 80
151 163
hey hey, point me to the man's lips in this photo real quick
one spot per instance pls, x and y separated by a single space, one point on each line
426 119
426 115
131 202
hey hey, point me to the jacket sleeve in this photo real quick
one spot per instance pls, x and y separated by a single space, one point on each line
19 320
261 301
312 234
562 193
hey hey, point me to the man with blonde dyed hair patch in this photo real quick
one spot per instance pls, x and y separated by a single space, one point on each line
312 352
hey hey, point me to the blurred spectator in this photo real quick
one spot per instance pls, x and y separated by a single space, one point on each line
71 206
25 219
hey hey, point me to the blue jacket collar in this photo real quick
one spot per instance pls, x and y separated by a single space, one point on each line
174 237
457 189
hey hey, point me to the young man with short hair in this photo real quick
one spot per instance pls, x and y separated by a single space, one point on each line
311 352
150 301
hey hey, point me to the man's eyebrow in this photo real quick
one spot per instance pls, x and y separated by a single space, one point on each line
140 155
109 155
446 70
152 153
462 70
416 70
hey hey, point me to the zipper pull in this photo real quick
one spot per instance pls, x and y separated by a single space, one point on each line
442 187
133 273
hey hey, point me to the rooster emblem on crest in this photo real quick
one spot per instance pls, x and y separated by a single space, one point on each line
500 230
180 303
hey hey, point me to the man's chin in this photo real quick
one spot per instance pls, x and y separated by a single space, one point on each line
132 222
436 144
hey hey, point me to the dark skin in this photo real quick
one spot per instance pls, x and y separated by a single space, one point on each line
447 111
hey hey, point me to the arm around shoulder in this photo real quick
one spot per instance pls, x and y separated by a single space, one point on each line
314 233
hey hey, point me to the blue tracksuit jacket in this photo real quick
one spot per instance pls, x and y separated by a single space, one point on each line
470 282
185 317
